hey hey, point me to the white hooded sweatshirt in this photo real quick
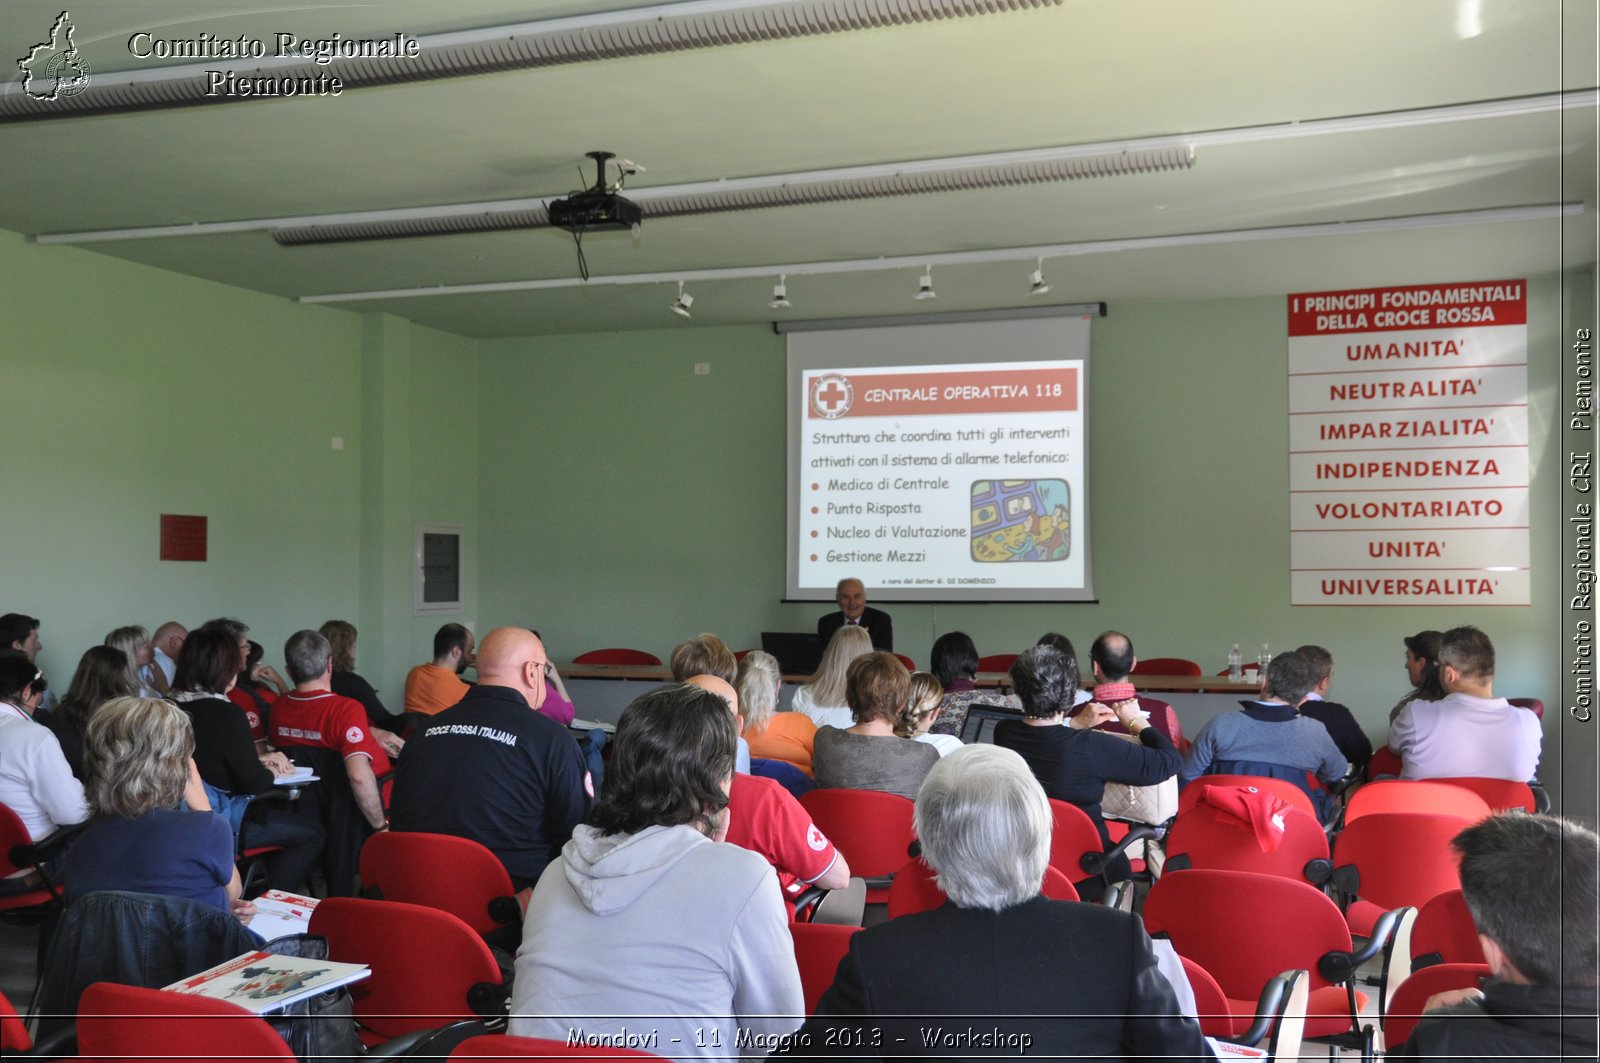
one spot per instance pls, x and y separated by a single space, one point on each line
662 941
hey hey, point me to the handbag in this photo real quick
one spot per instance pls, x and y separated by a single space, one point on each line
321 1028
1153 804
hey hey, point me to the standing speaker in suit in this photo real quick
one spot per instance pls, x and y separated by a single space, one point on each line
851 595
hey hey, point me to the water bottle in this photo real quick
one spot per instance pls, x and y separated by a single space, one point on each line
1264 660
1235 664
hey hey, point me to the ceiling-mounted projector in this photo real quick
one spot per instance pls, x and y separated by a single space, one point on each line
598 208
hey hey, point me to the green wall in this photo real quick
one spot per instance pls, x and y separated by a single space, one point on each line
611 496
131 392
635 503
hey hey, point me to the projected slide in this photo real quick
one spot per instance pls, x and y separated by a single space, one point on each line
941 481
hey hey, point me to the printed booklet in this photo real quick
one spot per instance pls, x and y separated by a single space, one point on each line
262 982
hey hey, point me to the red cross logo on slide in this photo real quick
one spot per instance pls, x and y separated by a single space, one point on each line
831 395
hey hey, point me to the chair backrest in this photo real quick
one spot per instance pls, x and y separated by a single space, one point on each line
1405 1010
997 662
818 948
616 655
1403 858
154 1026
1422 795
1260 769
1246 928
1385 762
455 875
1072 837
1499 794
427 965
911 666
13 1032
1208 837
503 1046
1533 705
1210 1002
1291 793
871 828
1167 666
914 889
12 834
1445 933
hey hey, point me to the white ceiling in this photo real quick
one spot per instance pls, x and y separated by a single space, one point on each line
1076 72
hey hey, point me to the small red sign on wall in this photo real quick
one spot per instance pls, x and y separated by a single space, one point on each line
183 538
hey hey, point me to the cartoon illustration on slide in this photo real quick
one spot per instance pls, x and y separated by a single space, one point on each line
1021 520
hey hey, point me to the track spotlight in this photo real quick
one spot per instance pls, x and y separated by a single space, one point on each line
682 303
1036 284
780 294
925 285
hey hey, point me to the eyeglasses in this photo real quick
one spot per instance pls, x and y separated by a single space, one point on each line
549 669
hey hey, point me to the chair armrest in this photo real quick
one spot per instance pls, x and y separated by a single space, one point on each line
1339 967
1095 863
35 853
806 902
505 910
1273 997
428 1044
63 1044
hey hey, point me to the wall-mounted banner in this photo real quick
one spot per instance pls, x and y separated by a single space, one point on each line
1408 445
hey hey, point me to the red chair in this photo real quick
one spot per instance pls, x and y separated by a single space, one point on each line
1245 929
503 1046
19 853
616 656
1075 846
1407 795
129 1023
1286 790
427 966
1405 1010
997 662
1207 837
914 889
1168 666
1533 705
455 875
1391 860
818 948
1499 794
871 829
13 1031
911 666
1445 933
1281 1009
1384 762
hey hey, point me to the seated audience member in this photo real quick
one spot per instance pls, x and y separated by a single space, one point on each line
705 654
134 642
36 782
1422 668
822 696
1058 641
137 754
1268 736
558 705
954 662
1469 731
1340 721
868 755
985 829
102 674
254 690
230 766
1529 882
493 768
20 633
432 688
851 594
923 701
165 645
1070 759
785 736
341 636
1113 661
766 819
313 715
646 919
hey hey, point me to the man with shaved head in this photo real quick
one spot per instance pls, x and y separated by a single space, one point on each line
164 646
492 768
766 819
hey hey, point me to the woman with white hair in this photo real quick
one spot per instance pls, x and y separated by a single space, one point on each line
1053 978
773 735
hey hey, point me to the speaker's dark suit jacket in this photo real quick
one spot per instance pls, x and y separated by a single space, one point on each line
876 621
1077 980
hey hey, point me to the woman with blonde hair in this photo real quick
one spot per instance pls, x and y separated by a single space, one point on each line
922 709
134 641
823 696
138 756
102 674
341 636
785 736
